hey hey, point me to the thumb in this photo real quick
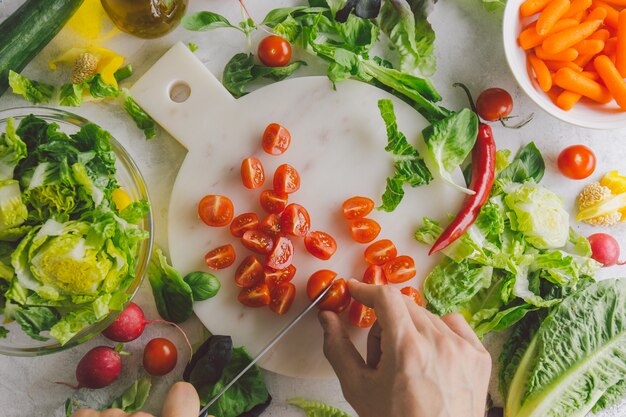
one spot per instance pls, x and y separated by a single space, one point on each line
181 401
339 349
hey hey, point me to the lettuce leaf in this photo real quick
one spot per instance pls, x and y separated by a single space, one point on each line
316 408
33 91
134 397
140 117
12 151
172 295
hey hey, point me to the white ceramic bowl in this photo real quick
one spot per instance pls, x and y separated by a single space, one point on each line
585 113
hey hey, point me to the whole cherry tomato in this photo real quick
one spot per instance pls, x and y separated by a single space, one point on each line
258 241
364 230
286 179
273 201
274 51
257 296
361 316
242 223
577 162
494 104
380 252
252 173
220 257
282 297
399 269
249 272
357 207
276 139
281 256
216 210
320 244
295 220
159 356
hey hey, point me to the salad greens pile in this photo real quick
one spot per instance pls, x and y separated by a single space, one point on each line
67 254
130 401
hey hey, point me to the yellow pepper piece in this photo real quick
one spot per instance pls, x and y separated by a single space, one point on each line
108 61
609 205
615 182
88 19
121 199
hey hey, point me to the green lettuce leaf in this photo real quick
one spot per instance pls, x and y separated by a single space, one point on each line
99 89
134 397
135 211
3 332
173 296
13 212
140 117
34 320
316 408
71 95
12 151
33 91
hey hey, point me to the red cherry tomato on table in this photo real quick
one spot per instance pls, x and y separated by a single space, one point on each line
270 225
414 294
577 162
242 223
318 282
399 269
216 210
286 179
364 230
320 244
337 298
273 201
220 257
282 297
281 256
295 220
494 104
361 316
357 207
249 272
258 241
380 252
374 275
257 296
252 173
274 51
274 277
159 356
276 139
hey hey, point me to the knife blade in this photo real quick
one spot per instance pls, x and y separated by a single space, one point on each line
267 348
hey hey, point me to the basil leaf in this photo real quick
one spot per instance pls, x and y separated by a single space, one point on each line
71 95
528 165
34 320
134 397
203 285
203 21
33 91
172 295
140 117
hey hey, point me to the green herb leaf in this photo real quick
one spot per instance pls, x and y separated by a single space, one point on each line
204 20
71 95
99 89
3 332
33 91
173 296
134 397
34 320
207 364
193 47
203 285
123 73
316 408
140 117
276 73
528 165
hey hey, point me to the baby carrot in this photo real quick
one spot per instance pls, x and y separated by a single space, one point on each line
610 46
612 79
583 60
542 73
589 46
576 82
618 3
529 38
620 51
611 14
569 37
551 14
567 99
599 13
568 54
530 7
553 94
557 65
601 35
576 7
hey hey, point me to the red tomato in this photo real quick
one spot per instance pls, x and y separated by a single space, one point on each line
274 51
242 223
286 179
337 298
276 139
281 256
159 356
252 173
216 210
295 220
318 282
258 242
380 252
320 244
374 275
273 201
221 257
249 272
364 230
357 207
257 296
274 277
494 104
414 294
270 225
400 269
361 316
282 297
577 162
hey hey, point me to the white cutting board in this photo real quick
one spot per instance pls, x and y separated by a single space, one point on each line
338 140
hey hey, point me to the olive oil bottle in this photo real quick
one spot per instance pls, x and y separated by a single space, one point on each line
145 18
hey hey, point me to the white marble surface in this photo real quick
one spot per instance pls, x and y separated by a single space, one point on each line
468 49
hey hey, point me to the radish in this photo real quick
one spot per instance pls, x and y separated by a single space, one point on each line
100 367
604 249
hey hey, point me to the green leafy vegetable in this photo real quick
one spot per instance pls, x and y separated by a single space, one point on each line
33 91
207 364
34 320
3 332
528 165
366 9
12 151
123 73
99 89
140 117
134 397
203 21
203 285
71 95
173 296
316 408
193 47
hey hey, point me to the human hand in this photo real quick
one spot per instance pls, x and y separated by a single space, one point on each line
418 365
181 401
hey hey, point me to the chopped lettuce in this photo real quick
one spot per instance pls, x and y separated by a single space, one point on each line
172 295
316 408
134 397
12 151
140 117
33 91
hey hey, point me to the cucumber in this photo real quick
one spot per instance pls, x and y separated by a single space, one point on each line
28 30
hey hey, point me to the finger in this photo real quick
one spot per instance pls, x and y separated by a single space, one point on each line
421 320
113 412
181 401
85 413
338 348
373 346
456 322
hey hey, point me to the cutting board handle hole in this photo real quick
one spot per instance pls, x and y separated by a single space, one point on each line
180 92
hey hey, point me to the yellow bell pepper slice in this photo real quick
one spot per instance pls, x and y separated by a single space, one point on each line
615 182
121 199
108 61
609 205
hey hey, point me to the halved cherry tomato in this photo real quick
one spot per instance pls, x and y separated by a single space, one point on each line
273 201
258 242
374 275
281 256
577 162
364 230
252 173
337 298
249 272
400 269
270 225
357 207
216 210
274 277
320 244
257 296
276 139
318 282
274 51
220 257
380 252
242 223
286 179
282 297
361 316
414 294
295 220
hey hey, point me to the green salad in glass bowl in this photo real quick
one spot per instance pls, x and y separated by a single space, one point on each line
75 230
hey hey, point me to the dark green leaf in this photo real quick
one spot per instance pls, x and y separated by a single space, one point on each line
238 73
366 9
69 408
140 117
34 320
528 165
134 397
99 89
276 73
71 95
172 295
3 332
33 91
207 364
123 73
203 21
393 194
203 285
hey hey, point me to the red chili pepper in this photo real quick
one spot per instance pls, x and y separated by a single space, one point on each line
483 173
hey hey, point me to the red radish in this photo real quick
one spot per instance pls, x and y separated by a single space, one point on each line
100 367
604 249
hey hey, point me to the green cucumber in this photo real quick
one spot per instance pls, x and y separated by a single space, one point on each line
28 30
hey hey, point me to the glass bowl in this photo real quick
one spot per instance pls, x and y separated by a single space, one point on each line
17 343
